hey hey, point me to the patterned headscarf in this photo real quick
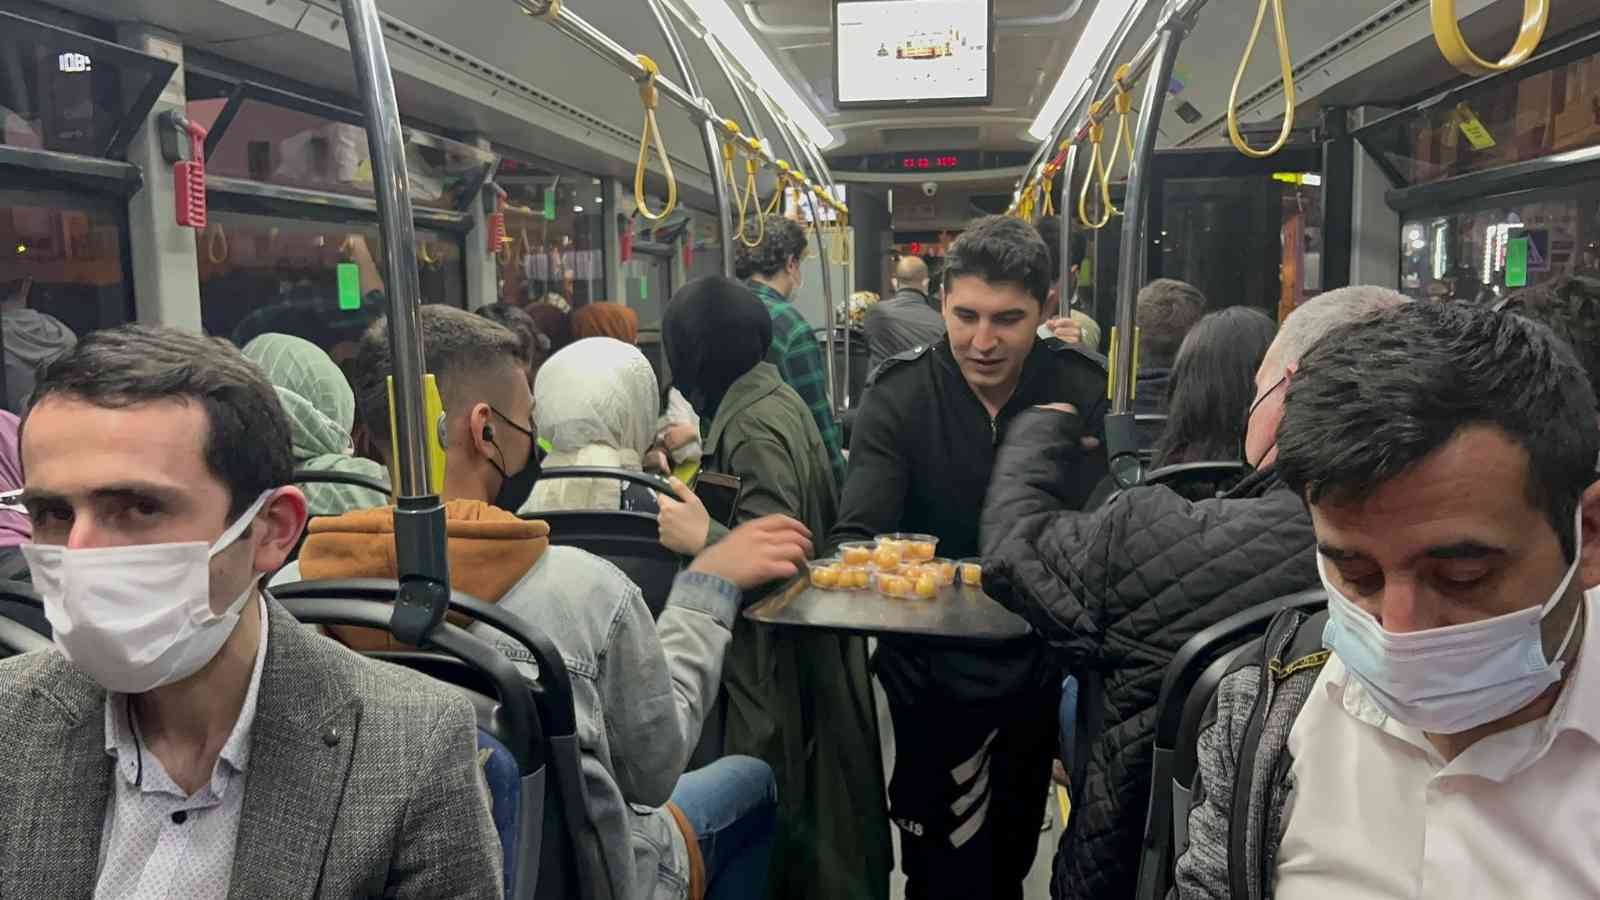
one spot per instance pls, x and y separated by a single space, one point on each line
321 410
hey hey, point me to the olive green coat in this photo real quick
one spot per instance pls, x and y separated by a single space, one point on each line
801 700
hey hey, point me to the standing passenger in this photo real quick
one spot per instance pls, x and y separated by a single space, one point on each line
973 728
602 319
188 738
800 700
774 276
906 321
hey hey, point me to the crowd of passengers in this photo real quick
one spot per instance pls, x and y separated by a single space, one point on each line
1432 466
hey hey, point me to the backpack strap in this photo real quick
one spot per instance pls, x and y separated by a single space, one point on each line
1287 638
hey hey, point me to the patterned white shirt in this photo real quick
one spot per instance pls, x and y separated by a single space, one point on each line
158 842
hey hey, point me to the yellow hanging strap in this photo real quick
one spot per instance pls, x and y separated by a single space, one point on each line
1447 33
1124 105
1098 174
1287 68
651 135
748 201
1048 203
776 202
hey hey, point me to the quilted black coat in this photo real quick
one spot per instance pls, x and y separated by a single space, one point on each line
1120 589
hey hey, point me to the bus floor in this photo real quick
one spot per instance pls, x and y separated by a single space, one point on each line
1037 886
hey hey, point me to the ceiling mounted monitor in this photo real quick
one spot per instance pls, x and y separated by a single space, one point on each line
913 53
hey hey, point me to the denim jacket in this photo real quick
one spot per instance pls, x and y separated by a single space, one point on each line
641 690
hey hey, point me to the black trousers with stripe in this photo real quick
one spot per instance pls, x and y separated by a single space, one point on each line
968 791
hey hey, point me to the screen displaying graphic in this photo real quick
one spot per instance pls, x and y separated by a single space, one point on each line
890 52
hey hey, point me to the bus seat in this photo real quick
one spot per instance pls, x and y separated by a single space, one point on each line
21 604
1198 665
534 720
318 476
500 773
631 541
23 627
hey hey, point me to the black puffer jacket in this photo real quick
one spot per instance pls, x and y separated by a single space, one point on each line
1119 590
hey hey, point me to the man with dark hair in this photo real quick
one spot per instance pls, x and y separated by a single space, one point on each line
1116 591
973 728
908 320
535 346
773 270
1166 310
642 687
188 737
1446 743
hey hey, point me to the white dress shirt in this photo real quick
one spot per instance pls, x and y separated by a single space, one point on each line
1376 811
159 842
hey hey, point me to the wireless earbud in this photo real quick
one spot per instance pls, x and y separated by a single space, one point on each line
488 432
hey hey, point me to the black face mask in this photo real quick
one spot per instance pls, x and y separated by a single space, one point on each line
1244 437
517 487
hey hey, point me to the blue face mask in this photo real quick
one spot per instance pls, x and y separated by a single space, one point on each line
1453 679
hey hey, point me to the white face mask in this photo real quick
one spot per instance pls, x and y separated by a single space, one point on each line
139 617
1452 679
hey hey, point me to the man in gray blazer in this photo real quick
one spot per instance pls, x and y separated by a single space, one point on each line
186 737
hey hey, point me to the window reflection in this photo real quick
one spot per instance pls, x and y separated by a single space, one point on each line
1243 240
319 281
54 100
1493 247
555 242
62 275
274 144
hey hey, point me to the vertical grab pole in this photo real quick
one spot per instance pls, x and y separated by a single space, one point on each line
419 526
708 132
821 166
1122 437
1069 289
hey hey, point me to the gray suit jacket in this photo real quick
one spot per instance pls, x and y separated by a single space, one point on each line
362 781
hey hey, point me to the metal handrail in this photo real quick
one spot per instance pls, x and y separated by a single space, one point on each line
419 526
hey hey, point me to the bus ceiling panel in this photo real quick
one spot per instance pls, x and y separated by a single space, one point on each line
1346 54
68 71
508 96
500 34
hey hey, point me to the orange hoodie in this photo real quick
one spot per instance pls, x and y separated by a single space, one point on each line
490 550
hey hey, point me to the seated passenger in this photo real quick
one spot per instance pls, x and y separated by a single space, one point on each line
1213 382
553 317
187 737
1167 309
641 687
801 700
1119 589
906 321
595 402
32 339
16 529
321 409
535 346
602 319
1448 746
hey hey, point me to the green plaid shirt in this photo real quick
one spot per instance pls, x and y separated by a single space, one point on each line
799 360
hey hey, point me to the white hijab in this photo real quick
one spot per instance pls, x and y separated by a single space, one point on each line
596 402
